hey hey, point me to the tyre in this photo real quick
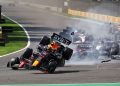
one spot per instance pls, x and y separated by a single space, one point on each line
67 53
61 63
115 49
45 41
13 62
27 54
69 31
52 66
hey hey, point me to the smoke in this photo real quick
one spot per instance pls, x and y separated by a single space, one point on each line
92 27
96 29
75 60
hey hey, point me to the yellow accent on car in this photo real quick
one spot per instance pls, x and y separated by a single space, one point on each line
36 62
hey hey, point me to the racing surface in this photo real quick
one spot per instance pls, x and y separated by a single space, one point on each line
39 22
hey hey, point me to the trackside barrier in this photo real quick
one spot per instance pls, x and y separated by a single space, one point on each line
2 39
99 17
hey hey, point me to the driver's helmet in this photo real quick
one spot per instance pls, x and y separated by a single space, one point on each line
54 45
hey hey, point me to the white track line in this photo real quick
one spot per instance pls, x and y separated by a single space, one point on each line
28 44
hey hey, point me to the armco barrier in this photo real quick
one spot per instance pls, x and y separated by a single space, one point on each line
99 17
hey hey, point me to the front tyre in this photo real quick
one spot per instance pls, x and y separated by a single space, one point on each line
61 62
52 66
13 63
67 53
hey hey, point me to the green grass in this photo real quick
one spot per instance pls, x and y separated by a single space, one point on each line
16 40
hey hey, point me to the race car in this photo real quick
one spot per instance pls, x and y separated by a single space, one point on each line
76 36
52 53
98 48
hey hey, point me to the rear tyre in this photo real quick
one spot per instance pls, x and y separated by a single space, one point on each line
67 53
45 41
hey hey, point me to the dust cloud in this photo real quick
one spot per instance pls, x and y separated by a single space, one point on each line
95 28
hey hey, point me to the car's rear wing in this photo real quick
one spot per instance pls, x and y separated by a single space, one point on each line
60 39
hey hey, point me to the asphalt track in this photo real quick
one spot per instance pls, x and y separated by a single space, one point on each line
39 22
